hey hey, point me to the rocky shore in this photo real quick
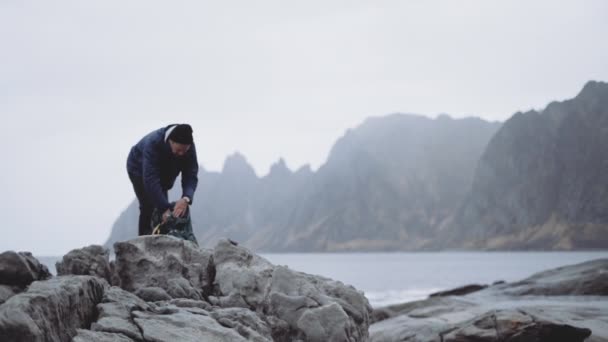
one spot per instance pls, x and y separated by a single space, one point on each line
165 289
566 304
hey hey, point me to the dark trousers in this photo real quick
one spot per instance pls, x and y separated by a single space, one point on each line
146 207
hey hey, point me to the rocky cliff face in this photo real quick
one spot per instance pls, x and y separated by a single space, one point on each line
542 182
387 185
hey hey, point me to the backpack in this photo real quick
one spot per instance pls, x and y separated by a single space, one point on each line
180 227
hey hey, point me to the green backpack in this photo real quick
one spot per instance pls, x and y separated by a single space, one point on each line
180 227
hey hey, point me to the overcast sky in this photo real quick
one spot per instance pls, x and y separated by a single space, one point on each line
82 81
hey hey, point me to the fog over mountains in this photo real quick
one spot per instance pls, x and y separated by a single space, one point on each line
407 182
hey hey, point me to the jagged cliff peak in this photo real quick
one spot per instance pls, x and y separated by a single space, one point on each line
304 170
279 169
593 89
236 164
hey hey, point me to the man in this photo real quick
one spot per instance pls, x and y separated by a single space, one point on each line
153 165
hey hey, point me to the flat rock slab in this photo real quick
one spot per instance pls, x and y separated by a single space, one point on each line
51 310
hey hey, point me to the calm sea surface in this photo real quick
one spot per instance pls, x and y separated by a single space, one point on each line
390 278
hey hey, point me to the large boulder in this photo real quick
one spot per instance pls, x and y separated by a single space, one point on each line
313 307
51 310
21 269
177 267
92 260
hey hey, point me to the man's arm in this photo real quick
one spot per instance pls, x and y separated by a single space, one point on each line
151 170
190 175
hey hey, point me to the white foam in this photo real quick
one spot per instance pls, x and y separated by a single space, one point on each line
389 297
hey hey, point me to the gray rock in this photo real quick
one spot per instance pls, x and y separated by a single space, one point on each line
246 322
563 304
417 308
459 291
190 303
21 269
494 320
92 260
183 326
326 323
587 278
117 325
118 302
6 292
51 310
513 326
233 300
96 336
177 266
115 313
305 302
152 294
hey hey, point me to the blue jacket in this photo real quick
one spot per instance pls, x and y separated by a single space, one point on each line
152 160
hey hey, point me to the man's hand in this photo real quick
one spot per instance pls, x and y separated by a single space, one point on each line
166 215
180 207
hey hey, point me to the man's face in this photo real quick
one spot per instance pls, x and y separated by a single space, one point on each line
178 149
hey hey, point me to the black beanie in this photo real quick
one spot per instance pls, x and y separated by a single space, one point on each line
182 134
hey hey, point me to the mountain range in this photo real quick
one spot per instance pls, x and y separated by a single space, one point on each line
408 182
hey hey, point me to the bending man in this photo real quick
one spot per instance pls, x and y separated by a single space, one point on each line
153 165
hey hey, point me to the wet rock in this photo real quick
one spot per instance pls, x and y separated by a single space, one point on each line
21 269
459 291
92 260
177 266
51 310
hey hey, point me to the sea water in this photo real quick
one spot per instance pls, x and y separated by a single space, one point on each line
391 278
